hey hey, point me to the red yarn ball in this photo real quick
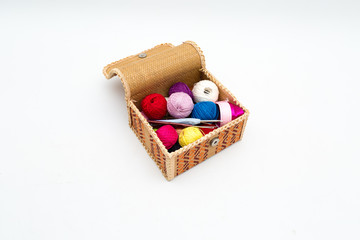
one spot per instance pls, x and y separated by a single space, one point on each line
154 106
207 130
168 135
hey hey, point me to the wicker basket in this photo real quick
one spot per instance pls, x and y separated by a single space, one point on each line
155 71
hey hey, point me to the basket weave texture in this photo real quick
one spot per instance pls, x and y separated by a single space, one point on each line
163 66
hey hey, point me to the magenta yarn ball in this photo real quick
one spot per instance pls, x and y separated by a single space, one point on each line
168 135
236 111
180 87
180 105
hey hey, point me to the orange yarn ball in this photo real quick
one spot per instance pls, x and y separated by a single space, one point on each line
154 106
178 130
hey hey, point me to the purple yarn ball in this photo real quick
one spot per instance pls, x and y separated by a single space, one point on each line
180 105
181 87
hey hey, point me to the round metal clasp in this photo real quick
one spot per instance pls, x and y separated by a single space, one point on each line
214 142
142 55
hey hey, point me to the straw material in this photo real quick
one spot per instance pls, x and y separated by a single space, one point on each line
161 68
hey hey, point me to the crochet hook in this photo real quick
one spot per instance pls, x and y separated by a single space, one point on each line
190 121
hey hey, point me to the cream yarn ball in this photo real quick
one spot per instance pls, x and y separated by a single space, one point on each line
205 90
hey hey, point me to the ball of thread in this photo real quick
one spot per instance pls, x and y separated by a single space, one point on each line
236 111
154 106
180 105
176 146
205 90
189 135
207 130
167 135
205 111
180 87
178 130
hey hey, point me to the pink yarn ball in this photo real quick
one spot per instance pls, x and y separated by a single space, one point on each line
180 105
168 135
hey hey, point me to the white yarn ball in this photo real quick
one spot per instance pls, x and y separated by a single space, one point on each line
205 90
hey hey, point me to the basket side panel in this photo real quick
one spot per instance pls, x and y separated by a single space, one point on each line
204 150
148 142
229 136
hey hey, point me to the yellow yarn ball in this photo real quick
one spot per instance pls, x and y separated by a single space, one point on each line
189 135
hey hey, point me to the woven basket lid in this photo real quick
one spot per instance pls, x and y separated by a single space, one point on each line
150 69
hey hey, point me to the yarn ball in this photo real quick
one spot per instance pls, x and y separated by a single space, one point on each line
236 111
205 111
176 146
167 135
154 106
178 130
180 87
189 135
207 130
205 90
180 105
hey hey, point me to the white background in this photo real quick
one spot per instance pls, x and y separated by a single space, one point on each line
71 168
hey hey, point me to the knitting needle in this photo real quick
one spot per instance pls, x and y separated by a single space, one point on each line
205 121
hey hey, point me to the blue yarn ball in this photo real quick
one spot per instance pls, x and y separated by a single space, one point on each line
205 111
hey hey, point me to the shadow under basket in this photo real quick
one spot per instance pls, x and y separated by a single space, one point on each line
155 71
